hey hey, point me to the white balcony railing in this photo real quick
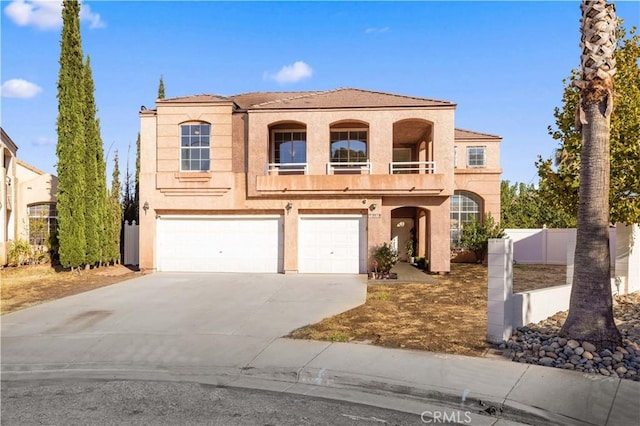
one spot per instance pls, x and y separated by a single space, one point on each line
425 167
348 167
285 169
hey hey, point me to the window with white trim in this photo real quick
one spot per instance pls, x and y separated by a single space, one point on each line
194 147
476 156
465 208
455 156
43 220
289 148
349 146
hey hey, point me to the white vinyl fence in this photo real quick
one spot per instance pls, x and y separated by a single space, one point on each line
131 243
507 311
546 246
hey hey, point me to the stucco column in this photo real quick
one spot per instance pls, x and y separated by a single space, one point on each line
380 146
291 240
421 233
318 149
439 247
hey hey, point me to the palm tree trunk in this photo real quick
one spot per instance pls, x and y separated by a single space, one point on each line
591 309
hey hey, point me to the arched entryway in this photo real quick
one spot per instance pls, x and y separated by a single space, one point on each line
410 224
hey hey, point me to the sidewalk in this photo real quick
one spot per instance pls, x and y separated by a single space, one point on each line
404 380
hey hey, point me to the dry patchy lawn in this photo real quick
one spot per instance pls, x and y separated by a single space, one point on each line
31 285
448 317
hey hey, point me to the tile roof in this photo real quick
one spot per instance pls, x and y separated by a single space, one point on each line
196 98
337 98
470 135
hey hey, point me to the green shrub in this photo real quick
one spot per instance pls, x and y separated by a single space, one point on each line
385 258
20 252
475 236
422 263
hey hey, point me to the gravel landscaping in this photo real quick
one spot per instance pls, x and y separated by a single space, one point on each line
540 344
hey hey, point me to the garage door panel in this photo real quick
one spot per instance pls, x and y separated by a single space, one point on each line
214 244
331 244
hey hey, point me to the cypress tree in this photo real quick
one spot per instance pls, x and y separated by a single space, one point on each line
161 89
93 213
115 214
70 146
136 188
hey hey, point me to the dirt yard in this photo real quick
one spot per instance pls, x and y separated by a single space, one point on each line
31 285
449 317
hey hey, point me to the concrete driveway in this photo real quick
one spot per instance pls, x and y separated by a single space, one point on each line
173 319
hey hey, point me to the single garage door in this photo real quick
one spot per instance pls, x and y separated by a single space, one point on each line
219 243
334 244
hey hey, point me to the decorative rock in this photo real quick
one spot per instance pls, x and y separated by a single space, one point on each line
545 361
573 344
541 344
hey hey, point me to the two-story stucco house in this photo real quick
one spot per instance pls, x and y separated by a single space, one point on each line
307 182
27 194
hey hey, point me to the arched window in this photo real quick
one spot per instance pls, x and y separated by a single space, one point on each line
465 208
43 220
194 147
349 146
288 148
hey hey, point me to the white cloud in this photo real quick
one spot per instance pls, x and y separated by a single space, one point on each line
372 30
47 14
19 88
43 141
291 73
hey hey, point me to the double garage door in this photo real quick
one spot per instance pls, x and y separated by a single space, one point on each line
326 244
219 243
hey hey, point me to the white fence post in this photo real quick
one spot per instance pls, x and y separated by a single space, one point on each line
500 277
131 243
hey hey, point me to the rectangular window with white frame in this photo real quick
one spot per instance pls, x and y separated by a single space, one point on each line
477 156
194 151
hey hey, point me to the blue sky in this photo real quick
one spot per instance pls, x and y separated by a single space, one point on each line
501 62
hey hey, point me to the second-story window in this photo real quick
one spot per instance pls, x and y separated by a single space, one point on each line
289 147
476 156
349 146
194 151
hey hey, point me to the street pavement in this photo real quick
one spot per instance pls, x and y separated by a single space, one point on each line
226 330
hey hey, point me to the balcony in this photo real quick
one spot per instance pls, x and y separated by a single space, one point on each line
411 167
285 169
415 178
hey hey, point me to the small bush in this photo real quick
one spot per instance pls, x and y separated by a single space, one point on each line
385 258
422 263
20 252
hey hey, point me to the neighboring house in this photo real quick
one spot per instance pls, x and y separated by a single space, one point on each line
28 209
8 151
307 182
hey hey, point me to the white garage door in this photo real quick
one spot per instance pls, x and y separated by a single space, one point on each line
219 243
332 244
